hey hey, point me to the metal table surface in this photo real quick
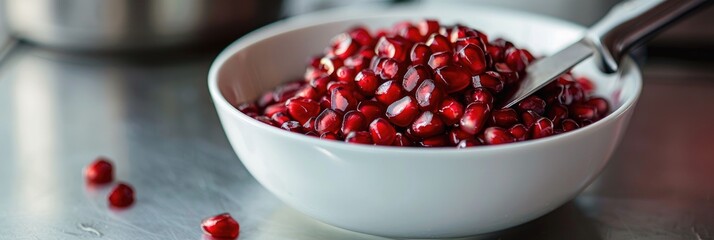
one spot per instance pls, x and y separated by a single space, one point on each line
154 119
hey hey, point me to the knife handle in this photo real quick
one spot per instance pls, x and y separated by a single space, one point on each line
633 22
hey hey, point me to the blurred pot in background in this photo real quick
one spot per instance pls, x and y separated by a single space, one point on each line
114 25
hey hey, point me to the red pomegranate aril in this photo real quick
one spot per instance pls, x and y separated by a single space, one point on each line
357 62
497 135
440 59
600 104
542 128
292 126
353 121
329 65
519 131
265 100
307 92
344 46
325 102
457 32
100 171
480 94
367 82
585 84
496 53
428 27
345 74
328 121
438 43
414 77
402 111
473 58
428 95
121 196
247 108
453 78
401 141
392 48
556 113
280 118
456 135
475 117
286 91
266 120
388 92
573 94
518 59
361 137
490 80
427 125
435 141
411 33
580 111
275 108
391 69
371 109
309 125
532 103
468 143
463 42
419 54
361 36
382 132
569 125
302 109
221 226
504 117
320 84
330 136
342 99
509 76
451 111
529 118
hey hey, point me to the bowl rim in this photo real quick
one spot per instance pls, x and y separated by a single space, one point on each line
336 15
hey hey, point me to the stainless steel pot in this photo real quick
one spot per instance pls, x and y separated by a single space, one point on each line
134 24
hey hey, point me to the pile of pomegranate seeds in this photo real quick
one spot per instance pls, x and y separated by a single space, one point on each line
221 226
424 85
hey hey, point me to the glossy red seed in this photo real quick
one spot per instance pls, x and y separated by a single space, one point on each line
302 109
359 137
450 111
221 226
402 111
390 47
247 108
121 196
353 121
371 109
579 111
341 99
308 92
345 74
275 108
468 143
279 118
329 136
585 83
329 65
453 78
391 69
320 84
427 125
517 59
411 33
600 104
414 77
438 43
357 62
100 171
286 91
475 117
556 113
388 92
497 135
266 120
361 36
367 82
440 59
435 141
473 58
428 27
508 75
480 94
265 100
328 121
292 126
325 102
343 45
428 95
519 131
401 141
490 80
504 118
419 54
569 125
456 135
532 103
542 128
382 132
463 42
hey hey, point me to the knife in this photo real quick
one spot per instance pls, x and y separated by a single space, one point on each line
628 24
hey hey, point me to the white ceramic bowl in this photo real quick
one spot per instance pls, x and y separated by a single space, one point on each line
412 192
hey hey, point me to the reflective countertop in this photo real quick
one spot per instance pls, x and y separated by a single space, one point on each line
153 117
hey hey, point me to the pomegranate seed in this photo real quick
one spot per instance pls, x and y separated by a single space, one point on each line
382 132
307 92
371 109
388 92
475 117
509 76
420 54
247 108
401 140
265 100
468 143
473 58
309 125
542 128
518 59
320 84
569 125
440 59
280 118
325 102
367 82
435 141
463 42
302 109
582 112
376 64
497 135
353 121
519 131
100 171
343 46
556 113
427 125
480 95
600 104
490 80
457 32
451 111
359 137
284 92
121 196
428 95
414 77
504 117
357 62
329 65
573 94
402 111
292 126
438 43
586 84
456 135
428 27
361 36
328 121
529 118
275 108
221 226
392 48
411 33
342 99
266 120
453 78
532 103
345 74
496 53
330 136
391 69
